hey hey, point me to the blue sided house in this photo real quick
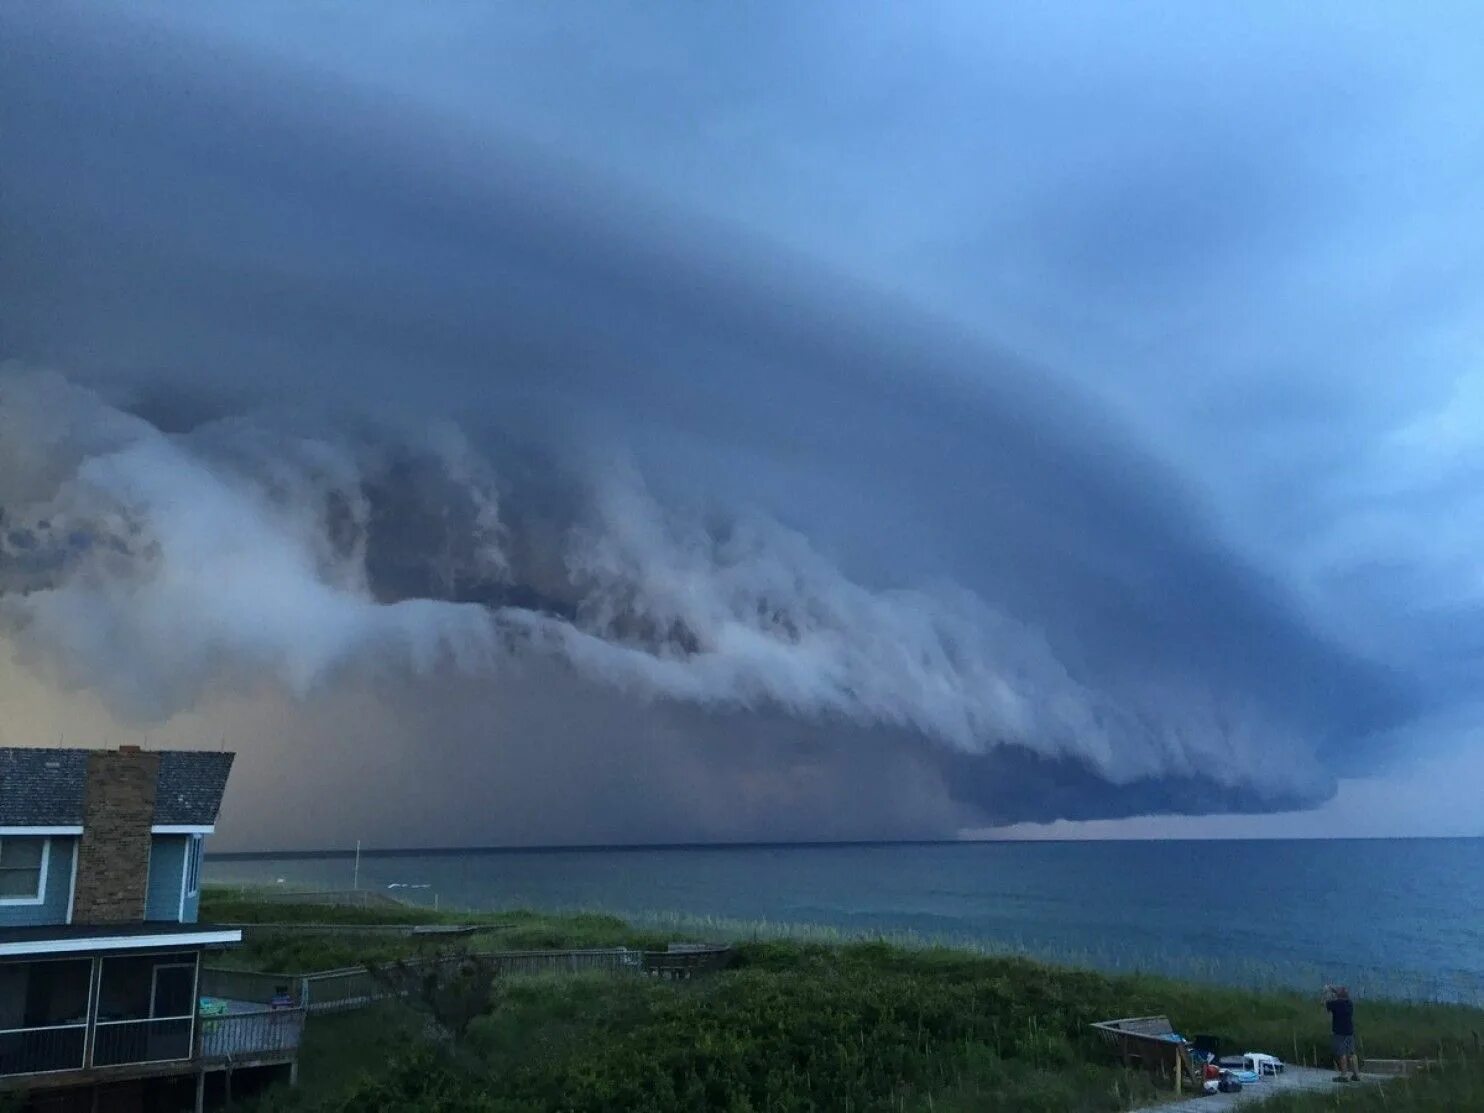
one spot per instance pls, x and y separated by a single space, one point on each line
101 1002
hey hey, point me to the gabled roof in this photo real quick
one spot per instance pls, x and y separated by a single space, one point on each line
191 786
44 788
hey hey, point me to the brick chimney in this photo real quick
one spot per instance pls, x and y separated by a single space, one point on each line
113 854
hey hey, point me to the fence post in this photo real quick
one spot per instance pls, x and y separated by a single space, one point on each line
304 993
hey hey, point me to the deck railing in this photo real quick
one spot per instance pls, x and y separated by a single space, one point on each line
42 1050
336 990
249 1034
612 959
116 1042
229 1036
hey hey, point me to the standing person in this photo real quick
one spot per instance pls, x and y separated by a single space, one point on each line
1342 1026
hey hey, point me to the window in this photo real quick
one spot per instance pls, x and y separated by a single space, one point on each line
22 870
193 865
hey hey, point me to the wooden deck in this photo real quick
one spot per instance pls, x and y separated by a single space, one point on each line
246 1036
247 1032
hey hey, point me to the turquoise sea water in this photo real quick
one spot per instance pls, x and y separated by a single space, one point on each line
1404 917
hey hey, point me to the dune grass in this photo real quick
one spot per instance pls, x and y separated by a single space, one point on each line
1245 971
519 928
1457 1085
515 930
799 1025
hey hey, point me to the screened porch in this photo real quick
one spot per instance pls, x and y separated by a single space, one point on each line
71 1013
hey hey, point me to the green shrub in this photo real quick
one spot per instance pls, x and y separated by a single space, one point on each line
421 1081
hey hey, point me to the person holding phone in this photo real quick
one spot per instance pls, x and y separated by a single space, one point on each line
1342 1031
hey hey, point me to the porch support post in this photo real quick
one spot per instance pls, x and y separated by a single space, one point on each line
195 1044
95 976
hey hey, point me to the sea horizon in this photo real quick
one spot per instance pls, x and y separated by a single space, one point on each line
539 848
1400 916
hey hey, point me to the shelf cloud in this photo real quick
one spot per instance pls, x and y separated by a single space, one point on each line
359 430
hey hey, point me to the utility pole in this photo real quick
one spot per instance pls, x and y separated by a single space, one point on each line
356 883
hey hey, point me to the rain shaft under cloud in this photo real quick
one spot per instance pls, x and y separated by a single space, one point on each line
362 437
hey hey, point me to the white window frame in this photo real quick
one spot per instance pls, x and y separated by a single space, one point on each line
40 897
74 847
193 850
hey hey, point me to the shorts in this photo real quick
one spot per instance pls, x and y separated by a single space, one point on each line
1344 1045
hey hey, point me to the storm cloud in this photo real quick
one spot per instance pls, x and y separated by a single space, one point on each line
333 408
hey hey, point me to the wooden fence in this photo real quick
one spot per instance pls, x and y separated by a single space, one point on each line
336 898
419 931
357 986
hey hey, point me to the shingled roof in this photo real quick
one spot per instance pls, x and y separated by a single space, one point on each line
191 786
44 788
41 788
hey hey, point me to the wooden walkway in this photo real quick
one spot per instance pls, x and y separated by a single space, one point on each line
417 931
357 986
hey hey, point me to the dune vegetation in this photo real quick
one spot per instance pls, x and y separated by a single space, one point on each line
799 1026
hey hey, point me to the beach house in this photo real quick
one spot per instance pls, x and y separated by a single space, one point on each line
100 948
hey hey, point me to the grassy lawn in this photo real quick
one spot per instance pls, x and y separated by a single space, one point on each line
795 1026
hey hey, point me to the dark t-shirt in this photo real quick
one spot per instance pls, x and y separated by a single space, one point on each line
1341 1017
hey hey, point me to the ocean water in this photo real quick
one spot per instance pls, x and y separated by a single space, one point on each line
1400 917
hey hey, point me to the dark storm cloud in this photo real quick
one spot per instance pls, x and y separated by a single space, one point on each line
474 777
200 235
